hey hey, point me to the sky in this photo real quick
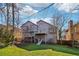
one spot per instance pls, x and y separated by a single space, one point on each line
65 9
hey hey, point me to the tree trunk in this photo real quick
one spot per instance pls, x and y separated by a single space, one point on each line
13 16
13 22
60 39
7 15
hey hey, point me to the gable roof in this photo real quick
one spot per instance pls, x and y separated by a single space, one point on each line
9 26
38 22
1 25
76 24
29 22
45 22
73 26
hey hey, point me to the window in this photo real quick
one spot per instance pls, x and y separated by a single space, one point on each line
51 30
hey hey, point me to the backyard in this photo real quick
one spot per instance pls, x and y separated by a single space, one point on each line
39 50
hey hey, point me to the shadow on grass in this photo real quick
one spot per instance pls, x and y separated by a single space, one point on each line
32 47
1 47
58 48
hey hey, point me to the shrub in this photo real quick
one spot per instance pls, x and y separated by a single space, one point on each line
6 37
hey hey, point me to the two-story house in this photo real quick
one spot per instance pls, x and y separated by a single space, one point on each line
72 33
29 29
40 32
46 32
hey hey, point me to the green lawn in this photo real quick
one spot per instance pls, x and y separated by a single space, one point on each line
39 50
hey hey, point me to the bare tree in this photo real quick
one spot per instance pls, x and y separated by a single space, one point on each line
59 21
1 14
17 17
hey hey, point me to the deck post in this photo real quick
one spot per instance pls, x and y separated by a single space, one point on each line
45 39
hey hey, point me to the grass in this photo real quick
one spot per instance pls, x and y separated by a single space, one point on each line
39 50
13 51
